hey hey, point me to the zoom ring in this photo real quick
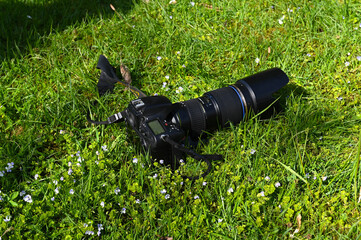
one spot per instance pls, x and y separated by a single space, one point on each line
197 115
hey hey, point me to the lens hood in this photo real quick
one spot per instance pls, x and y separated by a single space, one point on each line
260 87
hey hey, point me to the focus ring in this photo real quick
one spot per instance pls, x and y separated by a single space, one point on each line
197 115
229 103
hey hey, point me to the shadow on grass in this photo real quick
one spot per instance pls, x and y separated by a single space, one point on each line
23 23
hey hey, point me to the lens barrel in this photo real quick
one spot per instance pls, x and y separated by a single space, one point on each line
230 104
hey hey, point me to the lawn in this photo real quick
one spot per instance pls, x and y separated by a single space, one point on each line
296 175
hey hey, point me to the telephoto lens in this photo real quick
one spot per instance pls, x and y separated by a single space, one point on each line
231 104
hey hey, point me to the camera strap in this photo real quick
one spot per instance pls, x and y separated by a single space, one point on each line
205 157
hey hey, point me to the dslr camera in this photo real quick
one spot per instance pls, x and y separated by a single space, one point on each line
166 129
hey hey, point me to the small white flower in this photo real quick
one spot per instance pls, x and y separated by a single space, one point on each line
179 90
230 190
324 178
193 3
7 219
220 220
163 191
56 190
123 211
196 197
9 167
257 60
100 226
105 148
137 201
97 153
204 183
52 199
167 196
183 66
261 193
340 98
277 184
347 64
61 178
161 161
28 16
159 58
71 191
253 151
181 160
267 178
315 177
155 175
178 52
102 204
173 2
70 171
358 58
309 55
2 173
61 131
116 191
171 17
28 199
135 160
69 164
22 193
88 232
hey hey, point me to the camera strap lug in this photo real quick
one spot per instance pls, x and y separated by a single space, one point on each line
115 118
118 117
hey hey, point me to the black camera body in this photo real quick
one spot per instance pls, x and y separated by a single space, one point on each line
151 118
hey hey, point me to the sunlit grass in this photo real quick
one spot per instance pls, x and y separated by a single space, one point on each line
295 175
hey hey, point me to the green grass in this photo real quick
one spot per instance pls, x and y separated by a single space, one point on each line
306 159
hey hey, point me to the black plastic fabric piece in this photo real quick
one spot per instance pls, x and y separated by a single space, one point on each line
107 78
